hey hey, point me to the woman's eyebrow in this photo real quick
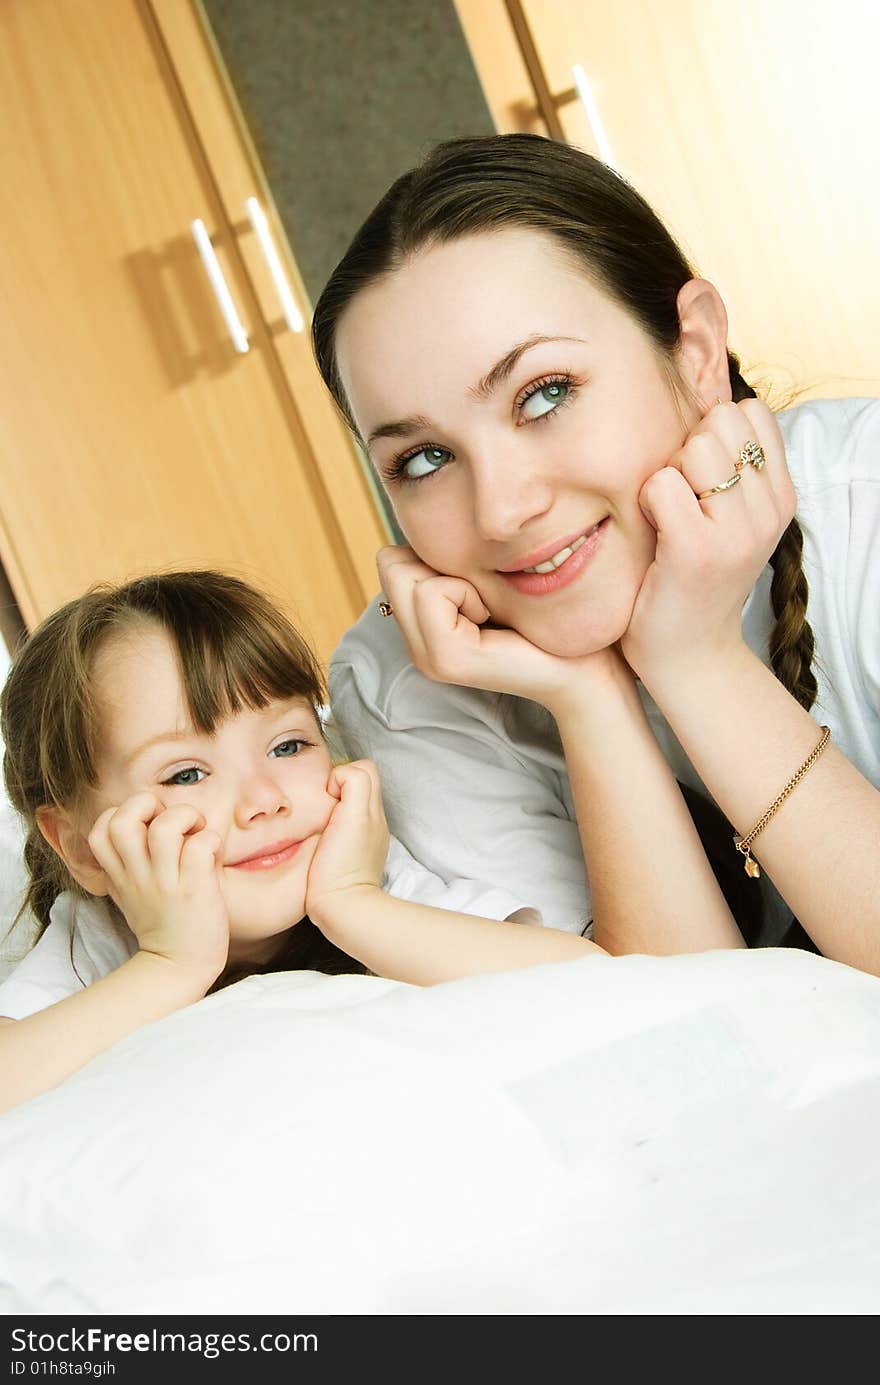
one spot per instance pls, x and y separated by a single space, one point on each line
417 423
502 369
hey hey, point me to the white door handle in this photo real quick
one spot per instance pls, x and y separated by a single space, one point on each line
292 315
219 285
585 92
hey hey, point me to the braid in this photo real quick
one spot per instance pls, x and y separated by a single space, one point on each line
792 644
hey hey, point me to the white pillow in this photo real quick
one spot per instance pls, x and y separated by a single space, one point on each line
638 1135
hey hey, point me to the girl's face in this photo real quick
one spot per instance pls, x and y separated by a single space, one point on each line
513 411
260 780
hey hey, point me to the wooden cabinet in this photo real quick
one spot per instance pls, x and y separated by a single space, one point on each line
753 129
134 435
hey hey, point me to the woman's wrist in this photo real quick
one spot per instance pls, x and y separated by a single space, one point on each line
595 686
675 679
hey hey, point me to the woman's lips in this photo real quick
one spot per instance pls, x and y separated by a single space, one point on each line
544 583
270 857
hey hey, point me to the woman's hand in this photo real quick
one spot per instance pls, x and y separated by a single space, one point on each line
710 552
351 854
444 622
163 873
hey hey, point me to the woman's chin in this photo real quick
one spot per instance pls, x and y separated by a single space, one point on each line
575 641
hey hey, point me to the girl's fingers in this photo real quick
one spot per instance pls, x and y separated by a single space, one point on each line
166 835
200 855
358 783
102 847
125 830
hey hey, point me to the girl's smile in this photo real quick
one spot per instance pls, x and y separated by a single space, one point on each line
259 779
267 858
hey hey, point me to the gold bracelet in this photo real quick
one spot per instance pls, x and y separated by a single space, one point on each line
743 844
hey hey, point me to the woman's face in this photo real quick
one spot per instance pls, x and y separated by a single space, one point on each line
513 411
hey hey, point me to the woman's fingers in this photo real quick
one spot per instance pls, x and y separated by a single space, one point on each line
429 607
734 462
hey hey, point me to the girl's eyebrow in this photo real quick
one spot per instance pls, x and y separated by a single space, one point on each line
188 733
417 423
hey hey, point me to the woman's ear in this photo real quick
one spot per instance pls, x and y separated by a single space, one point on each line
702 348
59 829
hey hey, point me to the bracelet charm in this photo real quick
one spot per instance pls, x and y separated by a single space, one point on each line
744 844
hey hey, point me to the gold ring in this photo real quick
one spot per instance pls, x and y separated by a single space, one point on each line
752 453
724 486
385 609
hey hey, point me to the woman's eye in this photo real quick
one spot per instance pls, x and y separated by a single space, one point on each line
546 398
183 778
285 749
424 462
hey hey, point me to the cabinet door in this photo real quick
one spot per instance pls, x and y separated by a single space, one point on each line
754 130
134 436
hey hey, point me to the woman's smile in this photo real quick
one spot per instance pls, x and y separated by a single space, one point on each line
562 566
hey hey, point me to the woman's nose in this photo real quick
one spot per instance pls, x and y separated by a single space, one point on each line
260 796
506 496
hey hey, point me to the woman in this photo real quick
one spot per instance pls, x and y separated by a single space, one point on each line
539 379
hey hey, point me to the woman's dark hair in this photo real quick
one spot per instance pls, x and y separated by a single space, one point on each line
235 650
468 186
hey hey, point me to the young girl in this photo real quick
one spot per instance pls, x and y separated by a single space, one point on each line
546 393
186 827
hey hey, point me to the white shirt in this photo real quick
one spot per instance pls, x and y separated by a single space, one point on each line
85 941
475 783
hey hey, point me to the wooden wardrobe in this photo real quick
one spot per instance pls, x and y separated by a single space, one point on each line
752 128
135 435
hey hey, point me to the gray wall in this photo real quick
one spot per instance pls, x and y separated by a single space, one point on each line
341 96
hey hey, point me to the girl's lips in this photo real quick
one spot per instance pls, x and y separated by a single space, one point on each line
544 583
273 856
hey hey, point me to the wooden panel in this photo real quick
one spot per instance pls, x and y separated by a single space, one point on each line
238 174
132 435
754 132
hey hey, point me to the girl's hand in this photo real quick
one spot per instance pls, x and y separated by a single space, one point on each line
164 874
351 854
443 620
710 552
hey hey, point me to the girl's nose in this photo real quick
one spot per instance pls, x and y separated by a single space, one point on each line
260 797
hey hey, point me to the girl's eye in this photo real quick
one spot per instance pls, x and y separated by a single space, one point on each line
422 463
183 778
544 398
285 749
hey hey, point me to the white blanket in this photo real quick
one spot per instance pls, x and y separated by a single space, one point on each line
634 1136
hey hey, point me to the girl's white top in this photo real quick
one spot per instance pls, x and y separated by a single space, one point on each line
84 941
475 783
